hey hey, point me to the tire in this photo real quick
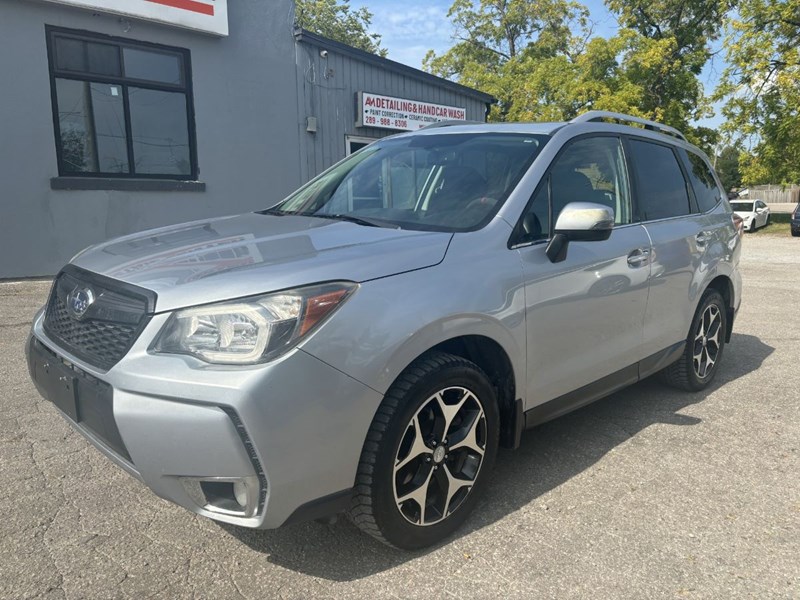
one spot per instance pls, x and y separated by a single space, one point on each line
411 413
752 228
687 373
795 233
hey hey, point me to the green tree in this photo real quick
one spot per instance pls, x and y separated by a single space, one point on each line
338 21
762 87
542 61
508 47
727 165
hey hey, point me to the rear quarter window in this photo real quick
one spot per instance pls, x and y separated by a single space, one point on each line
701 177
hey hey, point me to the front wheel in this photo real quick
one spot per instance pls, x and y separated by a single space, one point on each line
698 365
428 453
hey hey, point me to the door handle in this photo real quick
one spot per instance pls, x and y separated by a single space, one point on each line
639 257
701 238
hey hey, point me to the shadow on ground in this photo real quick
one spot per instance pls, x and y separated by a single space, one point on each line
550 455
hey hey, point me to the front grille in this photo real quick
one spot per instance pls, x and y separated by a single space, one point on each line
111 323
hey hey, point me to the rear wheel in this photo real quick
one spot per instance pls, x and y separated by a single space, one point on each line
428 453
698 365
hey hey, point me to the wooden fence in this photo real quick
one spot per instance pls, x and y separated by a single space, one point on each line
775 194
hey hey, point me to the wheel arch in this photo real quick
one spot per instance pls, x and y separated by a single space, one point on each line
724 285
494 360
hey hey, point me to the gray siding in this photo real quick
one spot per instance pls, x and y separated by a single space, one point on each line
328 87
246 114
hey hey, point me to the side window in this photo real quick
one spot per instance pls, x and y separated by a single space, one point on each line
705 187
661 188
587 170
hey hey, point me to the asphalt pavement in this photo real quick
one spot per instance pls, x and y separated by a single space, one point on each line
650 493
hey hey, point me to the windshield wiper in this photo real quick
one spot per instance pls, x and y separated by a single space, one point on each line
272 211
349 218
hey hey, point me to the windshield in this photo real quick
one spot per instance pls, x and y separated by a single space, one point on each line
441 182
742 206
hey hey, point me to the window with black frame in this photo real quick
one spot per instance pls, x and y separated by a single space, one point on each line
121 108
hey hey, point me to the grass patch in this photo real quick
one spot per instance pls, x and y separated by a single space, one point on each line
775 227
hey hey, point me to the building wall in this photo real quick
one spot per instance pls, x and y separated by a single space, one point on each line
245 101
327 88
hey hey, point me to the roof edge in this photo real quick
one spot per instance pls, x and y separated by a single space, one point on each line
305 36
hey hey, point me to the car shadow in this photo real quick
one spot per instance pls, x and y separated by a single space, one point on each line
549 455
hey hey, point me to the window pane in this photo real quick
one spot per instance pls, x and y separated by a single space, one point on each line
92 127
153 66
70 54
160 131
536 220
705 187
103 59
661 186
592 170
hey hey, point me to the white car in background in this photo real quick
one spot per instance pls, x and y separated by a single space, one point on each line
754 213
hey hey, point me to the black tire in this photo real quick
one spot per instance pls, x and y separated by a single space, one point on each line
683 373
752 228
795 233
374 507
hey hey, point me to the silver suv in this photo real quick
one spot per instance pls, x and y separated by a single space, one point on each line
368 343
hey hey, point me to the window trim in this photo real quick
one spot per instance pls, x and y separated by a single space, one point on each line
186 89
635 182
514 242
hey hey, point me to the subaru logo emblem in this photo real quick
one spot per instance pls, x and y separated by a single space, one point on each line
79 300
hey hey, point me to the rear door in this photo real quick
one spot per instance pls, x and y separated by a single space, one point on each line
680 236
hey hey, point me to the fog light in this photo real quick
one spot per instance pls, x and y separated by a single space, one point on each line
240 493
237 496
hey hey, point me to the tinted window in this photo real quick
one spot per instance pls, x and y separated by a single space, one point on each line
702 179
587 170
158 129
661 188
121 108
154 66
92 126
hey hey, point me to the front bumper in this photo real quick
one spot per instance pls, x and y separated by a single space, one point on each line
295 425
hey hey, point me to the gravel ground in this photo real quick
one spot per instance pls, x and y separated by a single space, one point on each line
650 493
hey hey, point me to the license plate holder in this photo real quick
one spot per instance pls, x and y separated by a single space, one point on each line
58 385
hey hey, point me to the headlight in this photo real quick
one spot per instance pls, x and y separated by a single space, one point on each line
250 330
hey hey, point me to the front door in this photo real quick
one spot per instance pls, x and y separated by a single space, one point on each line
584 315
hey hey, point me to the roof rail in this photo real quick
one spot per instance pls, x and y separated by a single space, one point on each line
599 115
452 123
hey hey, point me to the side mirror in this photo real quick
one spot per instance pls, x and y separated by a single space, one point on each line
579 222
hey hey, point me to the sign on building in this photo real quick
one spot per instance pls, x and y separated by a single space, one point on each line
387 112
209 16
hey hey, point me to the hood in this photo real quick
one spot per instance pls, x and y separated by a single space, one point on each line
230 257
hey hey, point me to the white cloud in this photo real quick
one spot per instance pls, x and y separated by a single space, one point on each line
409 30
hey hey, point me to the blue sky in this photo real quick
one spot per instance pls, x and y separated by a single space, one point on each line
410 28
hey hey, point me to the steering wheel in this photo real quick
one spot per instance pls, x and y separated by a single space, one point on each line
482 201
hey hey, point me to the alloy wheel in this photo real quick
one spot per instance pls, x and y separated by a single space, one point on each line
439 456
706 341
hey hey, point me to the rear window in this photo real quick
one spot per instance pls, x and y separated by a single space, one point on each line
661 188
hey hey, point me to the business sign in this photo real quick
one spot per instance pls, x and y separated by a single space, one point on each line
386 112
210 16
